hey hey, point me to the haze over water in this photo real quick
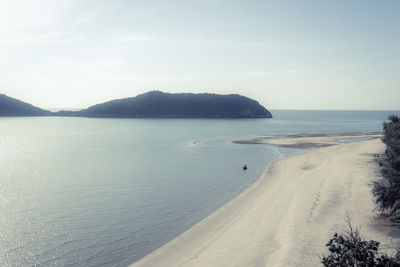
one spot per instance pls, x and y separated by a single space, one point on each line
89 192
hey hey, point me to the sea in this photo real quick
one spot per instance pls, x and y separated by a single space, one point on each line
107 192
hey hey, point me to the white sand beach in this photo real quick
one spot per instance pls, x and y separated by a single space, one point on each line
288 215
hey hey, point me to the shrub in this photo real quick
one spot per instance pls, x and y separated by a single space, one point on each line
349 249
387 190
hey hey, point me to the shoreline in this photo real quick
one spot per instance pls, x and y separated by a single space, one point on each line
286 217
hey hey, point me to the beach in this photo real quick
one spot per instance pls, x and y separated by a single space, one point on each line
290 213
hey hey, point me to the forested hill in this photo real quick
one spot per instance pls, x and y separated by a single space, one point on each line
156 104
13 107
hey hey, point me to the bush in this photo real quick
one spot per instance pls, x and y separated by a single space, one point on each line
387 190
350 249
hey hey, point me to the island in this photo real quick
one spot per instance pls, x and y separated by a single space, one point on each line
154 104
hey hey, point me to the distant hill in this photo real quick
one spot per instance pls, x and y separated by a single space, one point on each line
156 104
13 107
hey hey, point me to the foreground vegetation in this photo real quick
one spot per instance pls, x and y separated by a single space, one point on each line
349 249
387 189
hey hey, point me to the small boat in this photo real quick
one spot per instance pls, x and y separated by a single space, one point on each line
245 167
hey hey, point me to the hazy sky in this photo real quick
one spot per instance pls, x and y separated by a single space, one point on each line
286 54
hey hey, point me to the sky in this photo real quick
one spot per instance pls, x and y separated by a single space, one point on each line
310 54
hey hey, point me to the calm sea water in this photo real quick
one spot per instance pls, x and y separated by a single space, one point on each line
104 192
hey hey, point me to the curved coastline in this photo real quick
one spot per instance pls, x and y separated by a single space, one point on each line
290 210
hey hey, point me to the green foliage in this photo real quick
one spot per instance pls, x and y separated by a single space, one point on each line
350 249
387 190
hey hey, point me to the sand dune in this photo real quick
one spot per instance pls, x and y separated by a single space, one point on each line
288 215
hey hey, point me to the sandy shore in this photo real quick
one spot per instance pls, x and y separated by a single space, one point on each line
288 215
